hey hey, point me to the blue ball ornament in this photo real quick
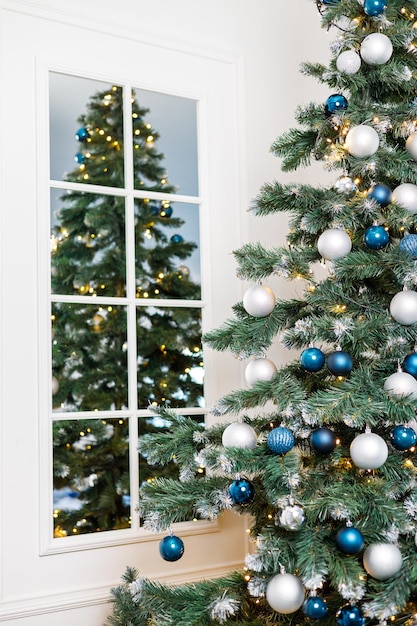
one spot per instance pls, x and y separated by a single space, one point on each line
166 211
171 548
350 540
280 440
323 440
350 615
335 103
330 2
177 238
79 158
374 7
339 363
312 359
82 134
409 364
408 244
381 194
241 491
315 607
403 437
376 237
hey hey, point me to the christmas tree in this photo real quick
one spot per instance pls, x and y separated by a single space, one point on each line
328 473
88 258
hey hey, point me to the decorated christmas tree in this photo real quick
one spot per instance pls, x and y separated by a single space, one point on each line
328 472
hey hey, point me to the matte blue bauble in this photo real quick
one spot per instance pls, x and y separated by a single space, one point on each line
335 103
350 615
82 134
280 440
315 607
177 238
374 7
381 194
79 158
171 548
403 437
323 440
410 364
376 237
349 540
241 491
312 359
408 244
339 363
166 211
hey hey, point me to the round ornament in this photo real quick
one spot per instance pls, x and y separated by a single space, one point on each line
348 62
334 243
376 237
382 560
330 2
315 607
312 359
409 364
350 540
339 363
80 158
259 369
280 440
403 437
381 194
350 615
374 7
177 238
82 134
408 244
345 184
403 307
401 384
335 103
362 141
171 548
406 196
285 593
166 211
241 491
323 440
376 49
291 517
239 435
55 385
411 145
259 301
368 451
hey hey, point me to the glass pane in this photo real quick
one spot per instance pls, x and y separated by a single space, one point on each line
165 142
86 130
91 476
170 360
89 357
87 244
167 250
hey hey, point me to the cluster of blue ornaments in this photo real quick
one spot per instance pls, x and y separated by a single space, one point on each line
339 362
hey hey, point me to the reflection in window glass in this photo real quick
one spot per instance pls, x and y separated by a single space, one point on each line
89 357
91 476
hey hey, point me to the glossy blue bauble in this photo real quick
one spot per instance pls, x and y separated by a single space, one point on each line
82 134
312 359
410 364
330 2
374 7
335 103
350 615
403 437
323 440
381 194
408 244
349 540
171 548
166 211
280 440
79 158
177 238
241 491
315 607
376 237
339 363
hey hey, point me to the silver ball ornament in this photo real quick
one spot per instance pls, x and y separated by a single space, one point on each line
368 451
291 517
239 435
258 370
382 560
348 62
334 243
403 307
376 49
259 301
411 145
362 141
285 593
406 196
401 384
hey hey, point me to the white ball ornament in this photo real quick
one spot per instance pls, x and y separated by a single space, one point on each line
403 307
259 369
376 49
401 384
285 593
55 385
239 435
406 196
382 560
362 141
348 62
334 243
368 451
411 145
259 301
